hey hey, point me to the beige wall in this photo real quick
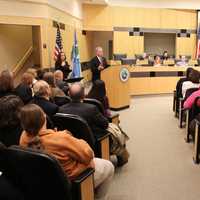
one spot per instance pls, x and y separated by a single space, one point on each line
98 18
157 43
107 17
48 37
41 13
39 8
102 38
130 45
186 46
14 42
174 4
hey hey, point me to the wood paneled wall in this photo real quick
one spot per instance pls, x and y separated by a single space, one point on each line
123 43
186 46
107 17
48 34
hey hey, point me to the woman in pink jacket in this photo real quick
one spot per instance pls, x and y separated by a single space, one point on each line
191 99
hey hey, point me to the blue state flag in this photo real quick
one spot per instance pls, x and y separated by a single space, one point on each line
75 58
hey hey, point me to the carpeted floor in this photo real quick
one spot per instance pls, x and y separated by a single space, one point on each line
161 165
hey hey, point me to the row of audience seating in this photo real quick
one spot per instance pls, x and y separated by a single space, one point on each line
188 117
20 165
36 175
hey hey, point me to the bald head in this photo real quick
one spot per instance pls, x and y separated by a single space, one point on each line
76 92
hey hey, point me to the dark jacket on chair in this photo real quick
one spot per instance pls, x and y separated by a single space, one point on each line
24 92
94 63
97 122
63 86
10 135
48 107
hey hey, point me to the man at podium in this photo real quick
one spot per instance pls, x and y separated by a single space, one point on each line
98 63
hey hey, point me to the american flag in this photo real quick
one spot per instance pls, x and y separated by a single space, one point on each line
198 43
58 46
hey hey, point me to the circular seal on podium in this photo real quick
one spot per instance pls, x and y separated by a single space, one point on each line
124 74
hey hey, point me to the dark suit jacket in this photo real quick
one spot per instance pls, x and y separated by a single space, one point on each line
97 122
94 63
10 135
24 92
179 86
48 107
3 94
65 69
63 86
9 190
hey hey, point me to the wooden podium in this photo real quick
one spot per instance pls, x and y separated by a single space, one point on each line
118 91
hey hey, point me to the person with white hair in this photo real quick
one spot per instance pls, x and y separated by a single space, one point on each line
42 93
98 63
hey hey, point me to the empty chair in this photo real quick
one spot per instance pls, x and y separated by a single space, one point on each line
60 101
76 125
114 118
8 190
119 56
39 176
95 102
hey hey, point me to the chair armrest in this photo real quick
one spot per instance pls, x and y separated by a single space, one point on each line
175 93
104 144
83 186
196 143
181 111
103 137
181 99
114 118
88 172
114 115
197 122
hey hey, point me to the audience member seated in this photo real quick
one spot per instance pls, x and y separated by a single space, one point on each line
165 55
97 122
193 82
157 61
191 99
6 83
10 129
40 74
144 56
24 89
181 81
33 72
62 65
42 94
55 91
74 155
182 62
98 92
58 77
188 105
